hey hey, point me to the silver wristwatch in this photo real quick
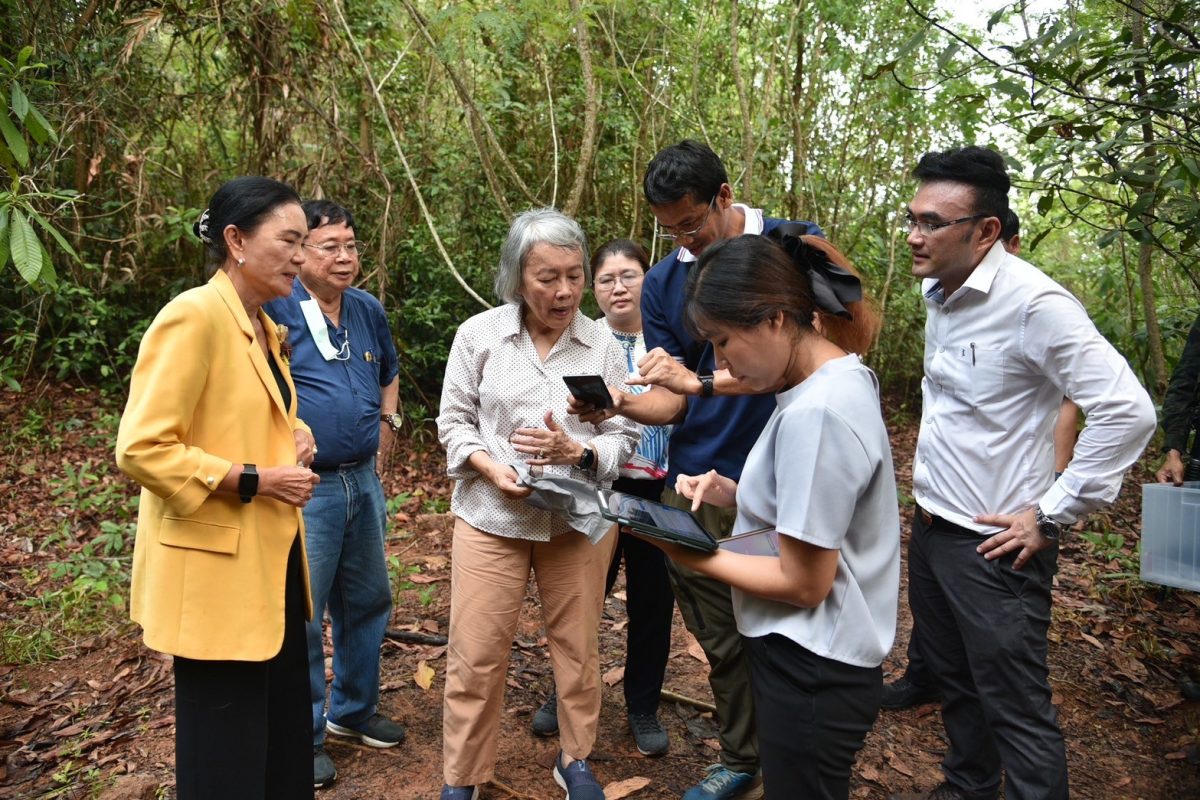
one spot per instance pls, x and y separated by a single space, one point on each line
393 419
1048 527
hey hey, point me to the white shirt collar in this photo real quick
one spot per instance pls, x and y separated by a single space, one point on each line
754 225
980 279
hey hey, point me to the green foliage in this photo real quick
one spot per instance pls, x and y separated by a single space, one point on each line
812 110
19 214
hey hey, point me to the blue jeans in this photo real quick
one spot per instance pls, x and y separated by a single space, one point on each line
344 526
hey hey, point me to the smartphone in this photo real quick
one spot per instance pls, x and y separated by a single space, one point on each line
589 389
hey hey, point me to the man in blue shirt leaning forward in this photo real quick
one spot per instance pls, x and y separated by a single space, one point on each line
347 378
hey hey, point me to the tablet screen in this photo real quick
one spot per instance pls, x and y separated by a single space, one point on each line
653 518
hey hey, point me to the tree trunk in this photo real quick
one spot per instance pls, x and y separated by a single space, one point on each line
587 149
1158 365
743 103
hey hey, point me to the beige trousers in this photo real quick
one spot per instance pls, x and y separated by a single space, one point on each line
488 579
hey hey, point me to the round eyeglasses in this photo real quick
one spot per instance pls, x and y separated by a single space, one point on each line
631 278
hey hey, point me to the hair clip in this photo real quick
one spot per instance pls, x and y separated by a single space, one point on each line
833 287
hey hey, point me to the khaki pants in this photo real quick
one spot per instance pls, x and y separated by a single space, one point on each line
489 575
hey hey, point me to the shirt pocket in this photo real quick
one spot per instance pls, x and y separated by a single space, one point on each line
985 369
194 534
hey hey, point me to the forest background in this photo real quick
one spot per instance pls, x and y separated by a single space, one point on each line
435 122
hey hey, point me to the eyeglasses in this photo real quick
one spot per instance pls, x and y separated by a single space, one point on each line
331 249
606 283
676 234
911 224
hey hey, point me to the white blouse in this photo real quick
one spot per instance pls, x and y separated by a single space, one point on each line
495 383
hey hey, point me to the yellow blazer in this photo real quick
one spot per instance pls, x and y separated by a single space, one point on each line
208 570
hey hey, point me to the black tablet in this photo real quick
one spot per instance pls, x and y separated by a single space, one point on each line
655 519
589 389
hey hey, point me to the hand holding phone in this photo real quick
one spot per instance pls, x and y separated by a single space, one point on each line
589 389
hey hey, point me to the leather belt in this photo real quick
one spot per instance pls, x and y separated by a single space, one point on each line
934 521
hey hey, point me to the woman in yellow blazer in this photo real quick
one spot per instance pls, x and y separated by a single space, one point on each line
220 579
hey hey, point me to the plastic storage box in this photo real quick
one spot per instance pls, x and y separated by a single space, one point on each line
1171 534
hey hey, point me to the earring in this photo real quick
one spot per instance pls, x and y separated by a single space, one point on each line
241 262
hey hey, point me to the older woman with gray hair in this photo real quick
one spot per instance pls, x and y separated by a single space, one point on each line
503 402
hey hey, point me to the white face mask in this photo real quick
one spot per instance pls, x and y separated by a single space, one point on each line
319 330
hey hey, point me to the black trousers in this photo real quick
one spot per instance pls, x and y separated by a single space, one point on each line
650 605
982 631
243 729
813 714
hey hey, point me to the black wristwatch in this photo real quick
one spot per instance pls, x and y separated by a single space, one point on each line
706 385
248 483
393 419
1048 527
587 459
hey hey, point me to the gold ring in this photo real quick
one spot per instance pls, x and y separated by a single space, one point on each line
541 454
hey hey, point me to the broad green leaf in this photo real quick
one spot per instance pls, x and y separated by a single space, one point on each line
912 43
1045 203
25 248
35 115
58 237
1107 239
12 137
23 56
1011 88
48 276
20 103
1038 238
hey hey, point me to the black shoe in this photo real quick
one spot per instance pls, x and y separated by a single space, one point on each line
545 719
650 735
944 791
901 693
324 772
376 731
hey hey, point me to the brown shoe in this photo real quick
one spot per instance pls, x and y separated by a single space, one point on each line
945 791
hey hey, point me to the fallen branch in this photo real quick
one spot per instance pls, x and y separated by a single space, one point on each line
667 694
414 637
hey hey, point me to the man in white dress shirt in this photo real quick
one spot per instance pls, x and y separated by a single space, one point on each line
1003 345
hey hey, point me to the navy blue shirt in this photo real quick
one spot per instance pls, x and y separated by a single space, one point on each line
717 432
340 399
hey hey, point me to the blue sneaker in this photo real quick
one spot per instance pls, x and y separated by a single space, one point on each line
459 792
722 783
577 779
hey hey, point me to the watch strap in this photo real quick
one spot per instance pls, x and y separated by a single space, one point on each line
248 483
706 385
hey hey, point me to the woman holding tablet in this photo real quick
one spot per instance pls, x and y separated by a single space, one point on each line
617 271
503 380
816 622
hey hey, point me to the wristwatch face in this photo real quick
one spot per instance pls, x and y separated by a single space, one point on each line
1048 527
393 419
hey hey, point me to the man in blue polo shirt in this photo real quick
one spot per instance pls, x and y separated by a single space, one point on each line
716 424
347 379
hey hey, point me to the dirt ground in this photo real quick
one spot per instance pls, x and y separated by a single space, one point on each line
99 722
